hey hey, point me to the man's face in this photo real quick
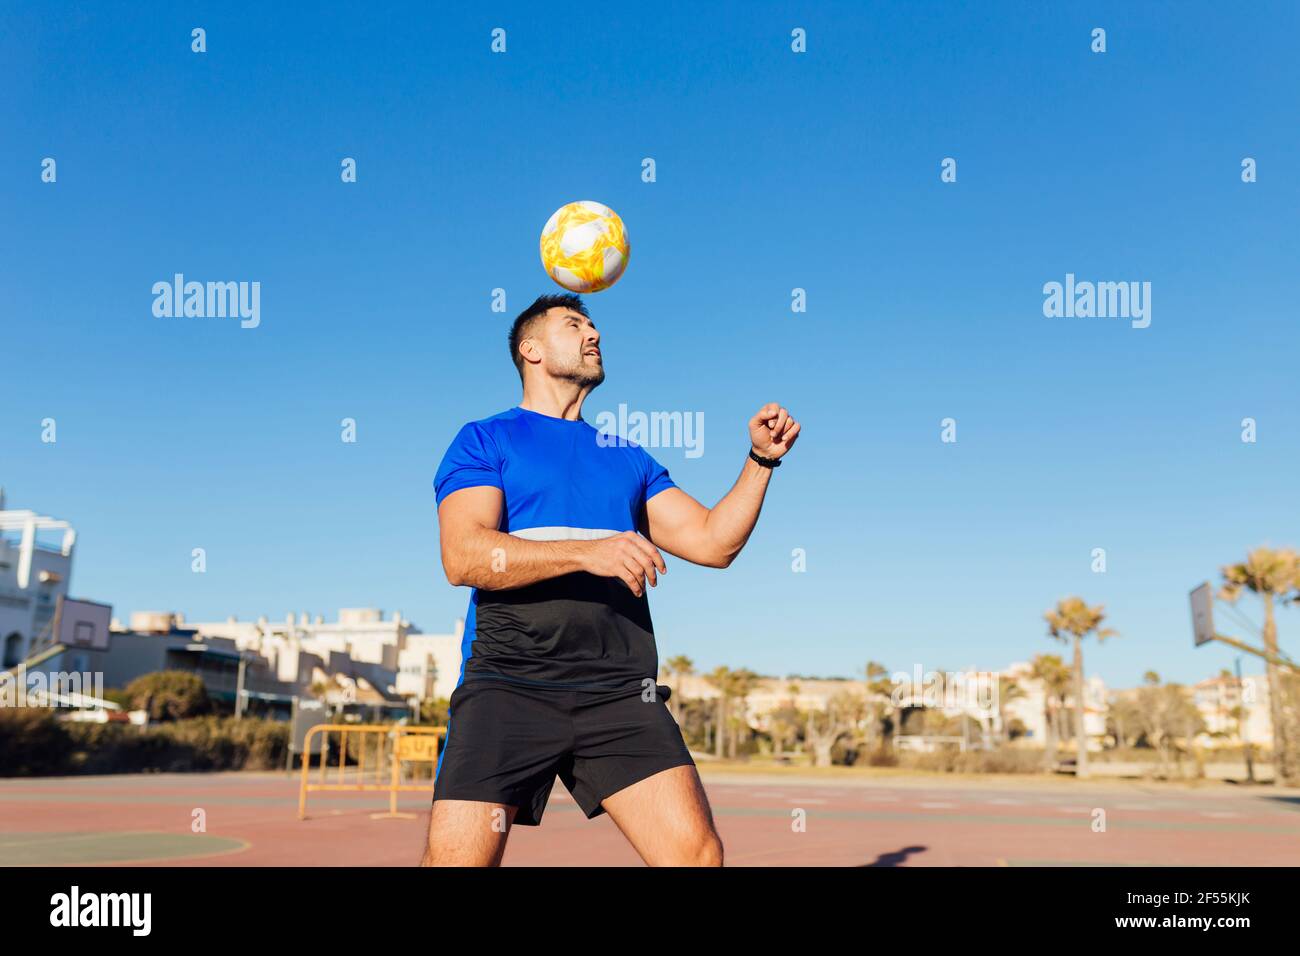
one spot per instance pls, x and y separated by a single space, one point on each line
571 348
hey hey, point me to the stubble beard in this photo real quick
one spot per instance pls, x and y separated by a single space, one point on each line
583 374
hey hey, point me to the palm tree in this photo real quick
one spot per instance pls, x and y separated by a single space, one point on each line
875 672
720 679
785 726
1008 689
1273 576
741 685
878 687
1148 713
675 668
1072 619
1055 677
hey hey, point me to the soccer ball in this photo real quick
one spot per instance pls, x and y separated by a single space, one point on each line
584 246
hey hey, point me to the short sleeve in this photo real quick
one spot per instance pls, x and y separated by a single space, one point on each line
470 461
656 475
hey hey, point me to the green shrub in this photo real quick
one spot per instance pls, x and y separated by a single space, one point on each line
32 742
169 695
118 696
952 760
882 757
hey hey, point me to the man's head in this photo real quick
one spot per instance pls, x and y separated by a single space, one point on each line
554 336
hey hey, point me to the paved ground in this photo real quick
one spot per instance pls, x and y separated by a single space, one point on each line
852 819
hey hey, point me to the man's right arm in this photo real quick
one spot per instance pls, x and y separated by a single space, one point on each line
476 554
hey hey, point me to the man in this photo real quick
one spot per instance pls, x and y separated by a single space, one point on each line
557 528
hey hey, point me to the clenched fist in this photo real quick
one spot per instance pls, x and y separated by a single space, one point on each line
772 431
628 557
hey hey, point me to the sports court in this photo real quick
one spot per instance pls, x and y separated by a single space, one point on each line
884 818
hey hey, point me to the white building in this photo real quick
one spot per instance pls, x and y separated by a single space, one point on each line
1030 707
429 664
1217 700
35 568
390 653
974 693
769 694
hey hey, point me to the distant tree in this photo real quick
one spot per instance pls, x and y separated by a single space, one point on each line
1167 715
675 668
1273 576
435 711
1124 721
1055 678
741 684
783 725
823 729
1071 621
1009 689
876 704
720 679
169 695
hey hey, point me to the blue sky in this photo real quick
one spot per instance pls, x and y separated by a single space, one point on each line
775 171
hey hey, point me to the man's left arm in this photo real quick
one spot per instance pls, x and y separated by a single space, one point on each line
714 536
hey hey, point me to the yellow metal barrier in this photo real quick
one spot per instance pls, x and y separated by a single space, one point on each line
409 744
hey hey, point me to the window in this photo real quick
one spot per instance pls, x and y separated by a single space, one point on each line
13 650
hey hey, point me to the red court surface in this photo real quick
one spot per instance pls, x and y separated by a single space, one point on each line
852 819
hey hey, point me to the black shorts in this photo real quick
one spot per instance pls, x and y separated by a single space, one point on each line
506 742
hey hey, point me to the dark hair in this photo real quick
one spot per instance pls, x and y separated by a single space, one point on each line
523 325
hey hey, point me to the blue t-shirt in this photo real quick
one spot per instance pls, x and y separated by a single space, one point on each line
560 480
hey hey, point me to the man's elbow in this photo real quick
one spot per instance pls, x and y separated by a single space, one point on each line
722 560
452 569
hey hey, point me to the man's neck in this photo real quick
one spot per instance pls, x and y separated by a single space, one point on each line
566 406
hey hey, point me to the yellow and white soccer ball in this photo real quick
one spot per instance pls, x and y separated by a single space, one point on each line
584 246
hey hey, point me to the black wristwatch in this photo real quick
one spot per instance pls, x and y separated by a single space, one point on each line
765 462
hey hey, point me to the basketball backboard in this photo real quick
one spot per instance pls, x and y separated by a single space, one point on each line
1202 599
82 623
